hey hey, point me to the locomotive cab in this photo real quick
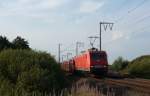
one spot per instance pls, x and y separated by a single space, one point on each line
98 62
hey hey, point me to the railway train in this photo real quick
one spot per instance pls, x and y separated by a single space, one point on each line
91 61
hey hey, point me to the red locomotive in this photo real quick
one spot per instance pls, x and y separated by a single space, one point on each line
91 61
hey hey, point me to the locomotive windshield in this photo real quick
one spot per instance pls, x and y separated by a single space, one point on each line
98 56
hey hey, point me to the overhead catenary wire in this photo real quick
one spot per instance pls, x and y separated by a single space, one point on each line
140 29
66 48
137 6
143 19
137 22
130 11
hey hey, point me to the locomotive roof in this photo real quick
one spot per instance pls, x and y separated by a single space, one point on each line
92 50
95 50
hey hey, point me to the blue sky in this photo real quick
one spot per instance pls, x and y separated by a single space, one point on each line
45 23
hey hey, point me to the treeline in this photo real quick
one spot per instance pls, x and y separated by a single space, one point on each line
17 43
25 72
139 67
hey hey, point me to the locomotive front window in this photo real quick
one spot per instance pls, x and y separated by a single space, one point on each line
97 56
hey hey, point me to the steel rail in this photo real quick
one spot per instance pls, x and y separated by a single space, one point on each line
140 86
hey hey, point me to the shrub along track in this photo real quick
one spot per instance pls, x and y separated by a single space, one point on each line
142 85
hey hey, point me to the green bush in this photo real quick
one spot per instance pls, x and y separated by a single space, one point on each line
140 67
20 43
4 43
17 43
29 71
119 64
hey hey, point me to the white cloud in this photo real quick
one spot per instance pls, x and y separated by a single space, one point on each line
117 35
90 6
29 6
52 3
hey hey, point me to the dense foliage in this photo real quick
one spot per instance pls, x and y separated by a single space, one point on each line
119 64
20 43
4 43
17 43
28 71
140 67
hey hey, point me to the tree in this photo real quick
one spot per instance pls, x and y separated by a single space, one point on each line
20 43
140 67
30 71
4 43
119 64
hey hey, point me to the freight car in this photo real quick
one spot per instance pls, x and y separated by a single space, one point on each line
91 61
68 66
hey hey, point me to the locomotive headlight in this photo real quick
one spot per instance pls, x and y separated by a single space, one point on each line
105 66
92 66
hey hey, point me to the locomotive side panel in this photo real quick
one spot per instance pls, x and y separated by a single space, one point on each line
82 63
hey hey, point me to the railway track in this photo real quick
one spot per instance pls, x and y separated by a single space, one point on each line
118 87
135 84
